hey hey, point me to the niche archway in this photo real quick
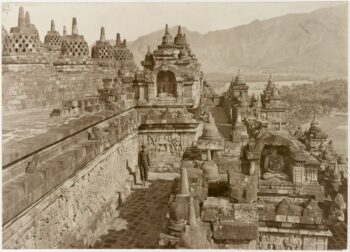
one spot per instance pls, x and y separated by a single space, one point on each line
166 83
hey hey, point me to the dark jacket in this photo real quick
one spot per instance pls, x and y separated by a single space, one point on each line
144 160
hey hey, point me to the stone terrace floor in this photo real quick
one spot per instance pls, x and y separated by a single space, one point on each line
142 216
339 239
24 124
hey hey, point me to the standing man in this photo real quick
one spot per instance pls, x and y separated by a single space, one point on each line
143 162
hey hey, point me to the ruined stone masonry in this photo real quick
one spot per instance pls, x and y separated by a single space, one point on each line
73 123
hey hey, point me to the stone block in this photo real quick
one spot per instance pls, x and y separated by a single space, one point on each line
270 216
32 182
52 176
245 212
11 193
281 218
79 155
318 220
233 230
307 219
293 219
90 146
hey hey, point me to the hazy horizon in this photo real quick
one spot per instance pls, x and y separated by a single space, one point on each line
132 20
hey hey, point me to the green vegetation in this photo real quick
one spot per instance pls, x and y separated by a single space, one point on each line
322 98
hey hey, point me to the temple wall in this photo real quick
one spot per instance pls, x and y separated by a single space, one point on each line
302 240
166 147
80 209
38 86
47 160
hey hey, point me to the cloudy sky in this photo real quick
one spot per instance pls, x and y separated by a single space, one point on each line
135 19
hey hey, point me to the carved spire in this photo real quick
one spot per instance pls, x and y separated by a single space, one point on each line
166 29
102 35
148 50
124 42
52 26
75 27
21 18
184 187
191 213
64 31
27 19
118 39
179 30
270 83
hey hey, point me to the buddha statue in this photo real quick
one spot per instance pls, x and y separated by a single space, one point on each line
274 167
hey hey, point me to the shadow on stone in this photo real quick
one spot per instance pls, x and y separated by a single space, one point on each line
145 214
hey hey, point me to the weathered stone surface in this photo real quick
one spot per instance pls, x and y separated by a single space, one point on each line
245 212
213 208
90 194
234 230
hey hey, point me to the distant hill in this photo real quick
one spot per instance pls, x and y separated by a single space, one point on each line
313 43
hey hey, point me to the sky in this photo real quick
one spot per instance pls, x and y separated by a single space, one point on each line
132 20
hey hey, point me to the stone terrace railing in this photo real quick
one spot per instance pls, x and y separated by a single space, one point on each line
35 166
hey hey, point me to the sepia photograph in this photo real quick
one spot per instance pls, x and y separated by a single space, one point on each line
175 125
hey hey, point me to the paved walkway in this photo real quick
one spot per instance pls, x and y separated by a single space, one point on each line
339 239
142 217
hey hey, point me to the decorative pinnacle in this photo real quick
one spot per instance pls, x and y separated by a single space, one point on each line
118 39
124 41
166 29
179 30
21 18
64 31
75 27
102 35
148 50
191 213
52 26
184 187
27 18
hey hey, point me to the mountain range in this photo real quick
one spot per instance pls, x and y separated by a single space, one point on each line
311 43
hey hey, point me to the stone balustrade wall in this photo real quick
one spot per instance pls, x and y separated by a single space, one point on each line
28 85
81 209
49 159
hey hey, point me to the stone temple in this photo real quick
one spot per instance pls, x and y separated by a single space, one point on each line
75 119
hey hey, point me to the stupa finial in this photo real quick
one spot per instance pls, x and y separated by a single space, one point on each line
21 17
52 26
179 30
27 18
75 27
118 41
102 35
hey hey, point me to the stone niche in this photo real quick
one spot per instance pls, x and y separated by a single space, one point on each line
166 84
282 160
